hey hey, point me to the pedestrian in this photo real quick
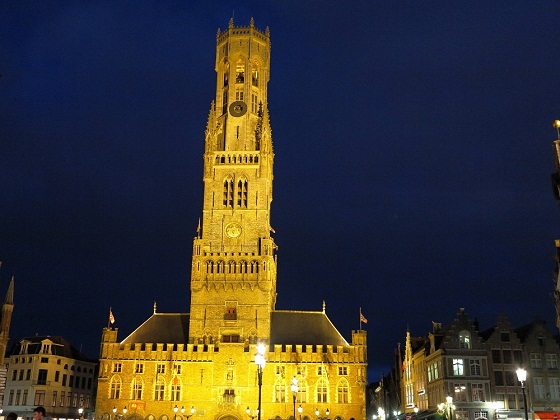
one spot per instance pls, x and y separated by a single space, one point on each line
39 413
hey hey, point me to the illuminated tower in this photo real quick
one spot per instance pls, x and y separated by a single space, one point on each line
233 276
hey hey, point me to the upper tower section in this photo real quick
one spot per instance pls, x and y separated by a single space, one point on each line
242 71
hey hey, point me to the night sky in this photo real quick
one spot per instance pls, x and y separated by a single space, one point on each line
412 169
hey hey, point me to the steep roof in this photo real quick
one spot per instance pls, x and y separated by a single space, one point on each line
302 327
162 328
61 347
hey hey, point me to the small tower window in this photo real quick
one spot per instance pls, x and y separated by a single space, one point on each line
240 72
242 193
238 95
255 76
228 193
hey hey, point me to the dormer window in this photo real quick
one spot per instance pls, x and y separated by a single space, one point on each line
464 340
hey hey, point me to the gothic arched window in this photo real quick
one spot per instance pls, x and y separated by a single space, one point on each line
322 391
242 193
228 193
342 392
115 389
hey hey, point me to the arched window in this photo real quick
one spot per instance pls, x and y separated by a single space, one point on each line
302 392
137 386
243 267
226 74
240 71
176 390
159 390
242 193
279 391
220 267
342 392
115 389
322 391
255 75
209 267
231 267
464 339
228 193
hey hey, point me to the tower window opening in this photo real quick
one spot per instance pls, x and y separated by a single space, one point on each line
255 77
231 314
239 95
228 193
242 193
224 101
254 103
240 72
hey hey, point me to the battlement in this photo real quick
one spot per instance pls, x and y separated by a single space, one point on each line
243 30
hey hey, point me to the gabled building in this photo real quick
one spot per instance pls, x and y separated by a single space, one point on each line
201 363
505 352
49 371
450 364
541 353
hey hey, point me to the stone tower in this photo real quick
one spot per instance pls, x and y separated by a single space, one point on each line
233 278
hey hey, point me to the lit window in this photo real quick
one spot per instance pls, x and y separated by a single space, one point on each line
322 391
464 340
458 367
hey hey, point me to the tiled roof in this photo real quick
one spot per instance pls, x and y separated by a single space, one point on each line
60 347
162 328
300 327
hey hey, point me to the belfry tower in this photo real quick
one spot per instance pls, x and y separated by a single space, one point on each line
233 277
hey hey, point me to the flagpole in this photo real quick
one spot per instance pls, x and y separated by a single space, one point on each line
360 318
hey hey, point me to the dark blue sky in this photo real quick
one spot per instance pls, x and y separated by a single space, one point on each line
413 158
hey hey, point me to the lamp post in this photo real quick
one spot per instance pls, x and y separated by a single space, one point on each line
175 409
188 415
300 409
115 412
248 411
260 360
317 412
447 407
415 411
81 412
124 410
294 388
522 377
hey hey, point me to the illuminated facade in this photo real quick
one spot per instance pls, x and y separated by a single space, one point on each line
202 363
49 371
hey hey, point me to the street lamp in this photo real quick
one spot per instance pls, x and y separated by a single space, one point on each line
248 411
175 409
317 412
80 412
260 360
188 415
415 411
300 409
294 388
115 412
447 407
522 377
124 410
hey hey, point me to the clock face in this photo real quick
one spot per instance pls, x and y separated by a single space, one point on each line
233 230
238 108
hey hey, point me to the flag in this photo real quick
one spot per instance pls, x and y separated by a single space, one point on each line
363 318
111 317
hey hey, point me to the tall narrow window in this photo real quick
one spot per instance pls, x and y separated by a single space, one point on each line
458 367
240 72
137 389
159 393
279 391
176 392
115 389
242 194
322 391
342 392
228 193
